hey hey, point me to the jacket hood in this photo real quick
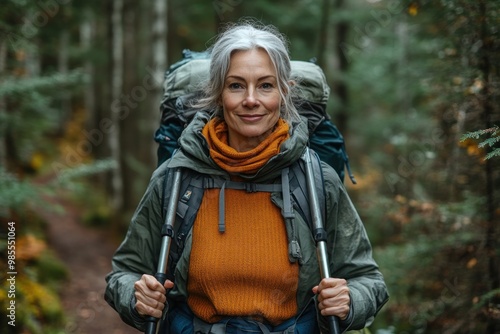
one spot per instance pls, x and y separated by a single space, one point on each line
194 152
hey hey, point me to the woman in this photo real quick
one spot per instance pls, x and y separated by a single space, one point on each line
242 279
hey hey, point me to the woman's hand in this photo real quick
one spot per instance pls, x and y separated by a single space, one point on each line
151 296
333 297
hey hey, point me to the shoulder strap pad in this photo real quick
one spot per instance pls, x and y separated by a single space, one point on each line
298 187
190 196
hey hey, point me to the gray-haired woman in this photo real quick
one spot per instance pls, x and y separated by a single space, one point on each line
243 279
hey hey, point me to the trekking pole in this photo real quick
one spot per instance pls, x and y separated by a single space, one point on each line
320 236
167 233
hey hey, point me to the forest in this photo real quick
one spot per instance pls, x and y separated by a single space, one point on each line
415 91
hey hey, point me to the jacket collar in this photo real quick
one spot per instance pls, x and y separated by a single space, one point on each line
193 152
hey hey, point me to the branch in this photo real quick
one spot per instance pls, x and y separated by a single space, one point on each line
494 138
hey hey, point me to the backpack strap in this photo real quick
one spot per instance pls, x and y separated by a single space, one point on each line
193 186
298 186
223 184
292 185
186 211
294 251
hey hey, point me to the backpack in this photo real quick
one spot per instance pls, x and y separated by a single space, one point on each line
182 84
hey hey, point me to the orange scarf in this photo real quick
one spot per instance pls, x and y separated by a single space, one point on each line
247 162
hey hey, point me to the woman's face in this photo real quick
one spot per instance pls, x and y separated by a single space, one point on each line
250 99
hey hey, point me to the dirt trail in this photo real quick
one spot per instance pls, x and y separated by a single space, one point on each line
87 254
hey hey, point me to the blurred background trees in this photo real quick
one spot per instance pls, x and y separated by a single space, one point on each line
79 102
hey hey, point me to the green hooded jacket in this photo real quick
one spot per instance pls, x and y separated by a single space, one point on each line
349 249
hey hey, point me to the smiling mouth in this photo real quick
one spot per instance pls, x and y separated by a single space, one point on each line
255 117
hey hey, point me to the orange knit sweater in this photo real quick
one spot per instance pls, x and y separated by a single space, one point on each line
244 271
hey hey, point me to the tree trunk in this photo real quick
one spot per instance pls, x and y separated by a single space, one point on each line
339 86
99 119
146 35
3 146
87 35
116 90
63 67
171 37
132 96
403 93
159 64
323 33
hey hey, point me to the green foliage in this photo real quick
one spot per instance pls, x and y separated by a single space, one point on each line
494 139
417 82
40 273
68 178
92 201
14 193
431 261
39 277
19 88
37 113
485 299
196 23
51 271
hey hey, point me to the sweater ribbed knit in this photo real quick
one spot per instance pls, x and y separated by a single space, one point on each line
244 271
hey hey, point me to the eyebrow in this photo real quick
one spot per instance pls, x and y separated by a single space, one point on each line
258 79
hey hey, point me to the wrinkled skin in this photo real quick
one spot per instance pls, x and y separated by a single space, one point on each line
151 296
250 99
333 297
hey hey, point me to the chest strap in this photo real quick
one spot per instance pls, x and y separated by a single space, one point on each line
247 186
294 251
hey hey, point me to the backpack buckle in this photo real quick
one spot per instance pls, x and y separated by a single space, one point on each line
250 187
208 183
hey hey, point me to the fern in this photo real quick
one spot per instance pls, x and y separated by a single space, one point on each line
491 142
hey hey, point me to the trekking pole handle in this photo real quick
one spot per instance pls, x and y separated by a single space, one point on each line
167 232
320 235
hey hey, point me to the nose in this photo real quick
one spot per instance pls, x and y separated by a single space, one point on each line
250 100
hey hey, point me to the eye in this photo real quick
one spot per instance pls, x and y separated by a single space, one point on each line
234 86
267 86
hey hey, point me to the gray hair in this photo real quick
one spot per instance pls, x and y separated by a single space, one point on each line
244 37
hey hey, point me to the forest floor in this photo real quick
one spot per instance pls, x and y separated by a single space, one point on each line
86 253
